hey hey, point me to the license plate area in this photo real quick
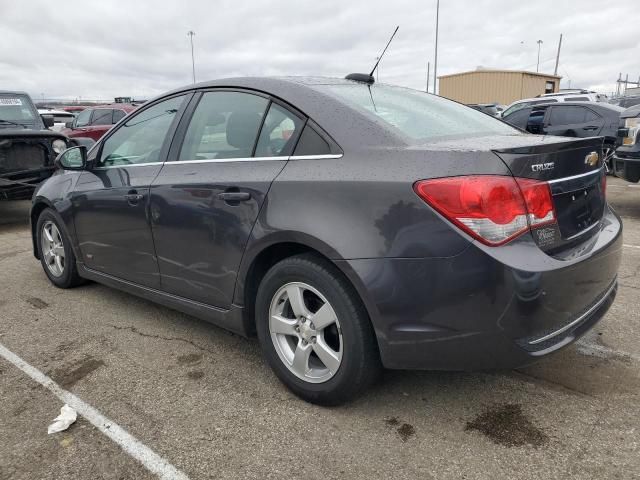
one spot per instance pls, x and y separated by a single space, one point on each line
579 204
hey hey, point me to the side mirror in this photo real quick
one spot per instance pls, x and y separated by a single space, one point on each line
69 124
47 120
74 158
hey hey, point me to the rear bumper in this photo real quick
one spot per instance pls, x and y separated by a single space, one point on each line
627 165
488 308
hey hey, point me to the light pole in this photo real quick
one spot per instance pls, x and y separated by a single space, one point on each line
191 33
435 60
540 42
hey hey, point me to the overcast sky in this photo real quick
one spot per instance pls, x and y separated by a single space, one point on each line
101 49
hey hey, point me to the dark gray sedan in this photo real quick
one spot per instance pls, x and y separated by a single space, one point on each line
351 226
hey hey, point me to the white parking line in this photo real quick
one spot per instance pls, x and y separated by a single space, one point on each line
147 457
630 246
587 348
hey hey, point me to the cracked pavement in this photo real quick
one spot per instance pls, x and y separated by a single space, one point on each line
204 400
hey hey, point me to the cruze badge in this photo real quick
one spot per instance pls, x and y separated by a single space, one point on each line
538 167
592 159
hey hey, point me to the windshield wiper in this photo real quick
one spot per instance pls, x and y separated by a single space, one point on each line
12 123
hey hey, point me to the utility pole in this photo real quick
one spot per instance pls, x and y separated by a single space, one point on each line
539 42
555 71
435 60
191 33
428 75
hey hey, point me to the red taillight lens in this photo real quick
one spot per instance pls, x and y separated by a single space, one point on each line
493 209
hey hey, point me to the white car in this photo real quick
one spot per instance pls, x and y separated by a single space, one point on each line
563 96
60 117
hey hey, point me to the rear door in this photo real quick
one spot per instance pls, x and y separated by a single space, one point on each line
573 121
207 197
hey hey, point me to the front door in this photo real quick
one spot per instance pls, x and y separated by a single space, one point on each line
207 197
111 199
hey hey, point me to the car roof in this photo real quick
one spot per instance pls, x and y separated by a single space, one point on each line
595 105
330 112
127 107
13 92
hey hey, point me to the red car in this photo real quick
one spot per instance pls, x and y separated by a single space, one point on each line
94 122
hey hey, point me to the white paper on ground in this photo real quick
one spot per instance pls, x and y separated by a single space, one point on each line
67 416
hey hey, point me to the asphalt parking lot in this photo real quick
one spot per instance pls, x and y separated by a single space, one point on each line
203 400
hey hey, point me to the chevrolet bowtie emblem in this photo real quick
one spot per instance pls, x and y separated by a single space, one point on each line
592 159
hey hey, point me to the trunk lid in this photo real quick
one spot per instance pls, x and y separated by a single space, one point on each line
574 170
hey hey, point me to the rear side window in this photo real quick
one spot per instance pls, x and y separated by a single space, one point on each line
415 114
567 115
279 133
311 143
118 115
102 116
590 115
224 125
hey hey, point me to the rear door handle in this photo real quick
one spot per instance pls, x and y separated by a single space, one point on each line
591 127
234 196
133 197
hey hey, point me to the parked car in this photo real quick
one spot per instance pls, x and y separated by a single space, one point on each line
627 156
60 117
349 225
94 122
626 102
571 119
552 98
27 148
488 108
577 95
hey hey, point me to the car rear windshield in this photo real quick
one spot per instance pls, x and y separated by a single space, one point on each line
416 114
16 108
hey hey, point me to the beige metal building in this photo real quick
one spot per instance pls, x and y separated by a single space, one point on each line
500 86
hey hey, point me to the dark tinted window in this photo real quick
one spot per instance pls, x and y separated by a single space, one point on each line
518 118
224 125
118 115
102 116
279 133
590 115
566 115
140 138
534 123
311 143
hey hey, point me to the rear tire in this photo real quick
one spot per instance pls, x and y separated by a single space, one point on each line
55 251
314 331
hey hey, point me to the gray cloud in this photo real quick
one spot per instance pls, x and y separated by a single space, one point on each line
104 49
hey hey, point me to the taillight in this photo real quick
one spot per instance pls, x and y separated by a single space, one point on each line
493 209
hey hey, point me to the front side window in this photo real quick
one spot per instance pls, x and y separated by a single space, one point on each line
518 118
82 120
102 116
278 133
140 139
224 125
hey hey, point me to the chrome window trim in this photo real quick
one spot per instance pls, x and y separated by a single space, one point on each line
227 160
147 164
328 156
566 179
580 318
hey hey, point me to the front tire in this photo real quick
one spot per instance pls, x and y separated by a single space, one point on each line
314 331
55 251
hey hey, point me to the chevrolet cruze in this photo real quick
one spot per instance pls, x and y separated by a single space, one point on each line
351 226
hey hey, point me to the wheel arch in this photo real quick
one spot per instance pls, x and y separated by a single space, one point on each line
260 259
38 207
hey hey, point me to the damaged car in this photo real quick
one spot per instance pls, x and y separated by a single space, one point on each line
27 148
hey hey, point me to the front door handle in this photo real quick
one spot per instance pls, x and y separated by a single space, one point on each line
133 197
230 197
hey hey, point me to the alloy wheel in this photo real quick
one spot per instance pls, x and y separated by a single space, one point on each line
306 332
52 249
